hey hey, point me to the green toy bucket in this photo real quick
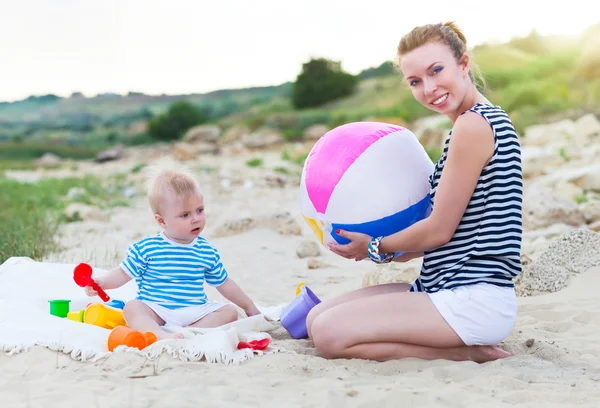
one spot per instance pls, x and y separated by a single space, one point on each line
59 307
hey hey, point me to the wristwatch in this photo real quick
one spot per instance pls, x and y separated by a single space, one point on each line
374 254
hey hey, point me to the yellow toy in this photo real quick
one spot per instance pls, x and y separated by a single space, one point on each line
298 288
76 316
104 316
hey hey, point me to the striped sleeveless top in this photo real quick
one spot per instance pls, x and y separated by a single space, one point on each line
486 245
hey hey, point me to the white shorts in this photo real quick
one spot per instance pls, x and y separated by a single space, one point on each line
184 316
481 314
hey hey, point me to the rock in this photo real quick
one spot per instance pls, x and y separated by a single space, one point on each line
183 151
315 132
48 160
234 149
394 272
234 134
110 154
565 257
283 223
432 131
543 208
550 232
312 263
82 212
190 151
586 129
588 177
275 180
591 211
529 342
206 148
235 227
307 249
202 133
567 190
555 135
595 226
263 137
538 160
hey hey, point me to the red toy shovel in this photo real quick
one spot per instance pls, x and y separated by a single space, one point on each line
83 277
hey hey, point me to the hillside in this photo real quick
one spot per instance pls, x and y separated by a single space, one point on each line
533 78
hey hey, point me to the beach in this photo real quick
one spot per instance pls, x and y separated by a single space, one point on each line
253 218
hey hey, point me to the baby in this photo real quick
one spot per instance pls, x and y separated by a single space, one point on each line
171 267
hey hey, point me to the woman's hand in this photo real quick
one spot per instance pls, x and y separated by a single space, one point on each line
357 248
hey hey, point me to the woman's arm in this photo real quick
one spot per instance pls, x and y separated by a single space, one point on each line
470 149
408 256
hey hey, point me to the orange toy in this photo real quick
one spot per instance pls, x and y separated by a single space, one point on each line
125 336
104 316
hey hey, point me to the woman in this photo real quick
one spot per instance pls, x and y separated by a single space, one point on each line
464 303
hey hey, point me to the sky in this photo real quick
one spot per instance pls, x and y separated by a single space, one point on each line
196 46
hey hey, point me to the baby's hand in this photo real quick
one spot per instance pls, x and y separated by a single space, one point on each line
90 291
252 310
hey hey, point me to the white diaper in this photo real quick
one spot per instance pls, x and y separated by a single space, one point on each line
184 316
481 314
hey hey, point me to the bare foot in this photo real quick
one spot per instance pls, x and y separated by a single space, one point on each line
162 335
482 354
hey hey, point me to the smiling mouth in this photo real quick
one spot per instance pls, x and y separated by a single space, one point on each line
440 100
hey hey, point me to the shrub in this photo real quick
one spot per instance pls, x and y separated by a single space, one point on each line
321 81
180 117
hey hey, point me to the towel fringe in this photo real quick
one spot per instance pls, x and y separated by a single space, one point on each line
150 353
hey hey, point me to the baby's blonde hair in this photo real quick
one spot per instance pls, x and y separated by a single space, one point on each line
166 176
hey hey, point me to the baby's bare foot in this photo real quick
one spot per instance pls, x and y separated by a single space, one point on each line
162 335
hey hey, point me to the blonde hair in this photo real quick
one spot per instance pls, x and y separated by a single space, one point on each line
447 33
166 176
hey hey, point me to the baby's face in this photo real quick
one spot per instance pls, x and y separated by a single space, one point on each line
183 217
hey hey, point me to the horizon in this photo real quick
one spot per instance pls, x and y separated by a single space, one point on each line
147 47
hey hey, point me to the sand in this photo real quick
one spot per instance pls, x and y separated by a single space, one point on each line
555 341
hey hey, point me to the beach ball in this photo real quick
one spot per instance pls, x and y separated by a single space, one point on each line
367 177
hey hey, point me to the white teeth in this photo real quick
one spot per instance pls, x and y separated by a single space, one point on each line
440 99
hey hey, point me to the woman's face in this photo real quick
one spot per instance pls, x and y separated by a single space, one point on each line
435 78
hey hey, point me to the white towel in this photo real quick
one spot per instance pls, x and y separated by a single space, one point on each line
26 286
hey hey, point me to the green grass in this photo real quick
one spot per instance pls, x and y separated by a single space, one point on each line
34 150
32 212
256 162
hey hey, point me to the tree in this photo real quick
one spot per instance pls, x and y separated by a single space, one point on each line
385 69
171 125
321 81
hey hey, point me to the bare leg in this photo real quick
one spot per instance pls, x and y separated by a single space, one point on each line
391 326
219 317
140 316
390 351
356 294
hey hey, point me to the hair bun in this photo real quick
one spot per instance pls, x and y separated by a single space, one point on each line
452 25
